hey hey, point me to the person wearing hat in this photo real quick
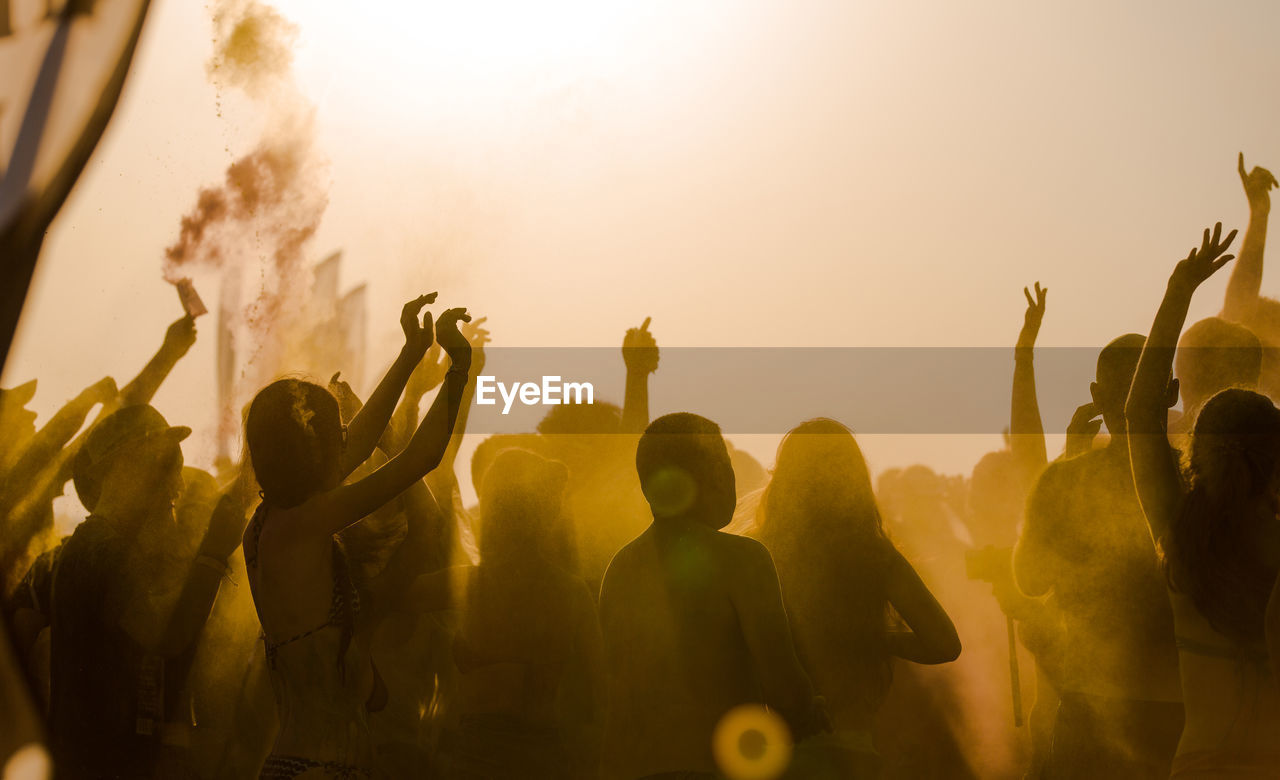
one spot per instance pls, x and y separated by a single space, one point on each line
35 466
124 617
27 453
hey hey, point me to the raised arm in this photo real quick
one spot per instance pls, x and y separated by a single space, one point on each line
640 354
1155 472
425 546
1085 423
195 602
178 339
1025 427
54 436
477 336
426 377
369 423
932 638
1246 277
336 509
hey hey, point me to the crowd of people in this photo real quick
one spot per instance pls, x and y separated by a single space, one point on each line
633 598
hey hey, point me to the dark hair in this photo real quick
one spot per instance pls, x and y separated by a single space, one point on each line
488 449
520 510
1209 553
1117 363
579 419
684 469
819 518
1214 354
294 433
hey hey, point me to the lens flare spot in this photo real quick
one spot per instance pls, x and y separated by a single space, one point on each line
671 491
752 743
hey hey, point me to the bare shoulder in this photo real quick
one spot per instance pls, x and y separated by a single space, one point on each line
1058 481
743 548
288 532
745 561
621 568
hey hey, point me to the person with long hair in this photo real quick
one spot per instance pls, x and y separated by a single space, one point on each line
306 602
842 580
1215 527
527 648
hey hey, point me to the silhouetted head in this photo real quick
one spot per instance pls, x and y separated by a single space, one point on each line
1213 355
295 437
1117 363
520 509
1213 551
819 519
685 472
132 462
581 435
488 449
821 475
575 419
995 499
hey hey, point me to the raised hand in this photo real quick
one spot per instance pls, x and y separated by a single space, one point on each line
180 336
349 403
102 391
417 335
1202 263
1257 186
428 374
639 350
478 336
475 332
456 345
1083 429
1035 314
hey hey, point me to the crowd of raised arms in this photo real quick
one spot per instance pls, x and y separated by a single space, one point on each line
637 599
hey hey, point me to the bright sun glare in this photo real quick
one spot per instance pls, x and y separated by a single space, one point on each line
479 49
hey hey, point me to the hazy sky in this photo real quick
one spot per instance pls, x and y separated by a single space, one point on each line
843 173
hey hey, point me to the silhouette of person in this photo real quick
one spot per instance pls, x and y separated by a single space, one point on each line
1216 527
1213 354
42 468
126 609
1243 302
692 618
530 693
840 577
316 646
1085 542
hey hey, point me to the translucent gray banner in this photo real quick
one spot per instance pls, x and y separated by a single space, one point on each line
769 390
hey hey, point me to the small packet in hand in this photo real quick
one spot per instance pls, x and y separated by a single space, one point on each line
190 298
